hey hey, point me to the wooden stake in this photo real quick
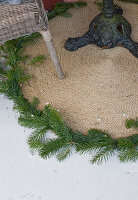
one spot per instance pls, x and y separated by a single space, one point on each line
51 48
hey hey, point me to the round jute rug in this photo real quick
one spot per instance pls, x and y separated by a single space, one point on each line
100 89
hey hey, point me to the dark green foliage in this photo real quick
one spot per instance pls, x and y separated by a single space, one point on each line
99 142
132 123
25 108
78 138
37 60
58 124
12 50
103 154
2 72
64 153
128 148
99 4
128 155
11 87
35 121
61 9
51 147
96 141
37 138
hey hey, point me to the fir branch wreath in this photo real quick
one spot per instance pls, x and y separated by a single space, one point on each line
97 141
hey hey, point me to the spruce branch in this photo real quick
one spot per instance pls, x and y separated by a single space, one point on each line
3 72
37 60
103 154
128 148
60 9
130 154
64 153
51 147
57 124
35 102
132 123
99 142
18 74
26 108
33 122
37 138
95 139
79 138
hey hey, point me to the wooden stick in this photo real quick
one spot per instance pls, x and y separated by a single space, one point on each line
51 48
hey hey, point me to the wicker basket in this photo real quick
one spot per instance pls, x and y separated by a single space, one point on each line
23 19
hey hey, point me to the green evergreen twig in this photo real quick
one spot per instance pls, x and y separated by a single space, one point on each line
60 9
132 123
37 60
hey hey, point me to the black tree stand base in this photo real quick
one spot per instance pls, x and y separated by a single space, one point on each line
107 30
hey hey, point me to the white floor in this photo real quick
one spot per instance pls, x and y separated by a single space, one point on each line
27 177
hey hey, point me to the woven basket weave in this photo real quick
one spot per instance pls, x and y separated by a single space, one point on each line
23 19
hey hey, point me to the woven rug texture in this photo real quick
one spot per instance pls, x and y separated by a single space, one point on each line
100 89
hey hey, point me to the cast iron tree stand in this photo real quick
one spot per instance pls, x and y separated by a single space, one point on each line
107 30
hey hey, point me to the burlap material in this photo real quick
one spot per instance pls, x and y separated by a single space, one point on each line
100 90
